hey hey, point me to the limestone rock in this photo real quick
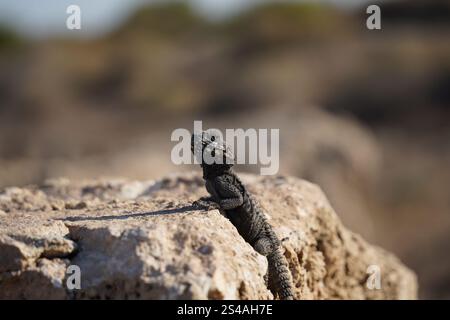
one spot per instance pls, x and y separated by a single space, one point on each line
144 240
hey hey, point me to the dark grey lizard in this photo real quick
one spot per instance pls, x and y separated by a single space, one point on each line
232 198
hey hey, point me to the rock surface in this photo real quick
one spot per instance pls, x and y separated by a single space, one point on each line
144 240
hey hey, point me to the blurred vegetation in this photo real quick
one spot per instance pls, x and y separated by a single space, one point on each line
169 20
8 39
272 24
167 62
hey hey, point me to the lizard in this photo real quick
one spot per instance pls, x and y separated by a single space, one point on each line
231 197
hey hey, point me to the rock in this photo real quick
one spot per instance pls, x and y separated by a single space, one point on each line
144 240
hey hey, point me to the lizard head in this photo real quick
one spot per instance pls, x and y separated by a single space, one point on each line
209 143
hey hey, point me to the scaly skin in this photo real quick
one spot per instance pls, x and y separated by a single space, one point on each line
230 196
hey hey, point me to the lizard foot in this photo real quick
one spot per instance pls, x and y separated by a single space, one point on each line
206 203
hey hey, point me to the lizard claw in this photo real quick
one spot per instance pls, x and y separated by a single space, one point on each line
206 203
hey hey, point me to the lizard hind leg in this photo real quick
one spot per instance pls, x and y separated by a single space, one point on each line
263 246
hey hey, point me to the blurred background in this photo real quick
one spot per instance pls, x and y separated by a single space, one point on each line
365 114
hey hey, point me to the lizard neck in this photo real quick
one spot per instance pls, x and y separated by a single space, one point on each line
212 171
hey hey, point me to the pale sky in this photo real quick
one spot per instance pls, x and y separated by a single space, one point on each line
41 18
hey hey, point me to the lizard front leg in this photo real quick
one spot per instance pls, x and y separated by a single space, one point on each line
230 197
211 202
231 203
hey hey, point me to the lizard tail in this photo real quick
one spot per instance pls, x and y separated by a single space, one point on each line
279 275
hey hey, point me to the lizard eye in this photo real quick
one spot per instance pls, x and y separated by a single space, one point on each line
213 138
